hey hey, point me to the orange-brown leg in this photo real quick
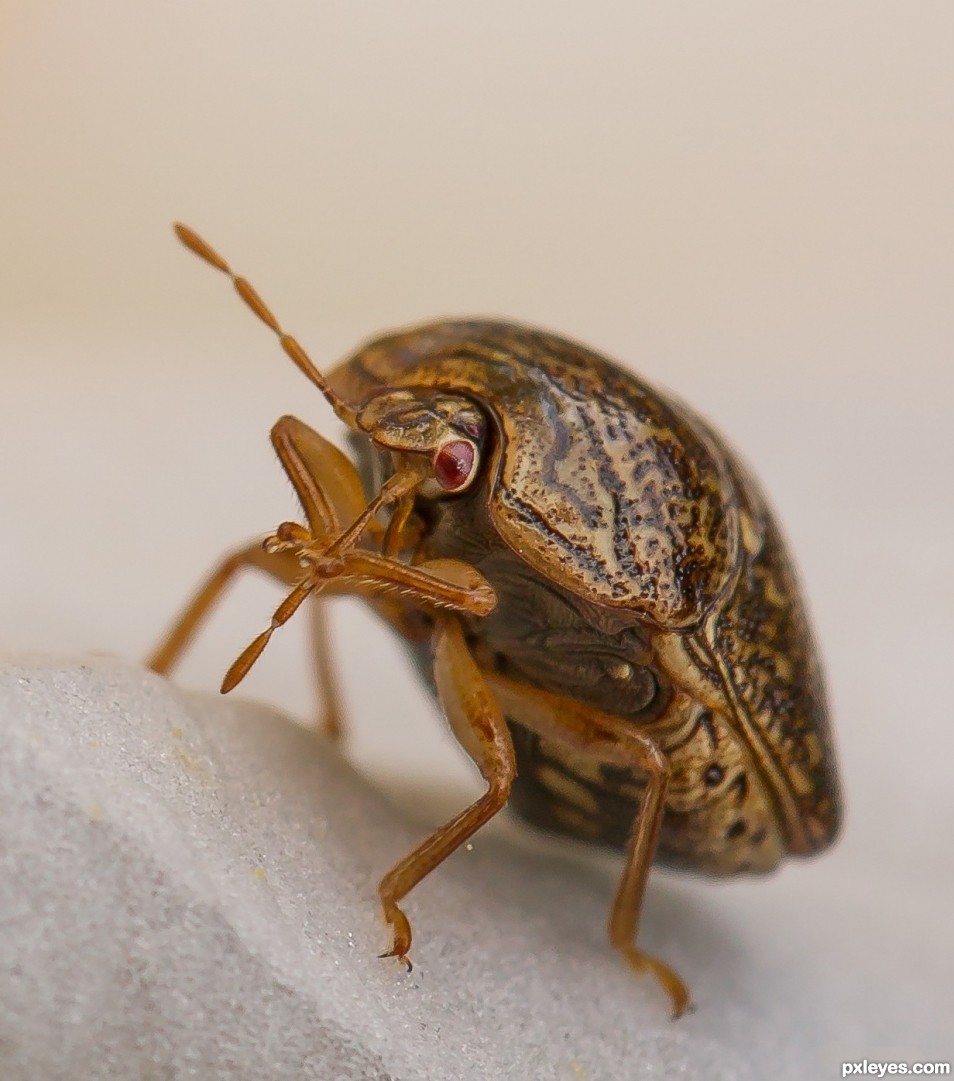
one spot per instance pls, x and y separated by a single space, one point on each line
281 567
285 569
604 738
325 480
437 585
402 532
331 718
330 492
479 725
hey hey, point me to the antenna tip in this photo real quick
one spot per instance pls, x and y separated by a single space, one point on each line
196 244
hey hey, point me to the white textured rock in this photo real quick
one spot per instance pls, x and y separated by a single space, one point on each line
187 889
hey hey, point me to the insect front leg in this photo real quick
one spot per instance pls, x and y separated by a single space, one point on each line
331 493
482 731
325 480
337 558
604 738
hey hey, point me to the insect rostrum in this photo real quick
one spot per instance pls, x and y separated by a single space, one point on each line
613 625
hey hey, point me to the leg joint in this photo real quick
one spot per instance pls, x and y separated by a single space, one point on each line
501 783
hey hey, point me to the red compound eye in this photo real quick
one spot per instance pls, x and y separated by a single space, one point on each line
453 464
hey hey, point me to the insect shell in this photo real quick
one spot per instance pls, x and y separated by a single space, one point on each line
608 610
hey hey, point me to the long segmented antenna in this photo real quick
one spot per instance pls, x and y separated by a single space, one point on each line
198 246
283 613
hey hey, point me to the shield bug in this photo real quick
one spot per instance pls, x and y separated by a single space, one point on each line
593 582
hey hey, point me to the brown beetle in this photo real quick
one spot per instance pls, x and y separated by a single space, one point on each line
612 622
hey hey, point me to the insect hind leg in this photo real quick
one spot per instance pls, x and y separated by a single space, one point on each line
600 737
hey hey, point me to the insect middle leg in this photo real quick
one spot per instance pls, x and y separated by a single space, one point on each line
604 738
481 729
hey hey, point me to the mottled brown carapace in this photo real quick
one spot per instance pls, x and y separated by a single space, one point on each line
593 583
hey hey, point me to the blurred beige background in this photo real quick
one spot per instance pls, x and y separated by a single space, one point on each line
749 203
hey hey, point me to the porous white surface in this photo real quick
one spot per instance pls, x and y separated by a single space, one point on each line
187 890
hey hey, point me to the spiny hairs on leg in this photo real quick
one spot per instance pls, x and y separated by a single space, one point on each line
246 291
